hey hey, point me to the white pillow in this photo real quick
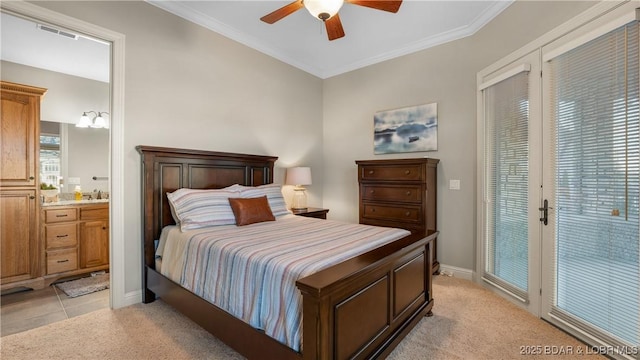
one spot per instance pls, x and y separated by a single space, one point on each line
198 208
273 193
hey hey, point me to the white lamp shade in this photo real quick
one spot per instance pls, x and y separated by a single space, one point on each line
99 122
84 121
298 176
317 7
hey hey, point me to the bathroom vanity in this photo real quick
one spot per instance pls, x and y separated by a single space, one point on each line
75 236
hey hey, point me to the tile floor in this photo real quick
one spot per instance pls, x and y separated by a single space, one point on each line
27 310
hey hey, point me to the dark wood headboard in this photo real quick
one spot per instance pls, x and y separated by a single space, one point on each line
166 170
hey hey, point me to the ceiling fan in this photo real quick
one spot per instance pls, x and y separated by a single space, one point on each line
327 11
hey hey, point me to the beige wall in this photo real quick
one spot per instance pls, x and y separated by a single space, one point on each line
446 75
188 87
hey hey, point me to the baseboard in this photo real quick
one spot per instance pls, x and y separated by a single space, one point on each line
458 272
131 298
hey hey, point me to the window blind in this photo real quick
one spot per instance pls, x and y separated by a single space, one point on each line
506 192
596 156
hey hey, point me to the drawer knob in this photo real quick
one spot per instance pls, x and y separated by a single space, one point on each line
63 261
373 191
407 172
373 209
62 236
62 215
408 193
370 172
31 178
407 213
31 197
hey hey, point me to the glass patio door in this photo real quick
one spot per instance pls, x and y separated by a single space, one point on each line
591 261
511 180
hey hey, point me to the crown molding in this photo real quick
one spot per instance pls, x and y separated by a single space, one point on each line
183 11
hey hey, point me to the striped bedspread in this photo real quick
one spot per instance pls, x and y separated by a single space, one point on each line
250 271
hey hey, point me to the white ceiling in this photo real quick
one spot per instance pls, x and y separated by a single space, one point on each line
24 43
371 35
299 39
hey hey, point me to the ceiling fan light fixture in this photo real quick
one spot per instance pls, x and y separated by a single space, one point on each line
323 9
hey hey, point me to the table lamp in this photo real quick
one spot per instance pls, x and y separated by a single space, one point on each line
299 176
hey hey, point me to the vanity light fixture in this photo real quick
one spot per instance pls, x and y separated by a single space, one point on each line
98 121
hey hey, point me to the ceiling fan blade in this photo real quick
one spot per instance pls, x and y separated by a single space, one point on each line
390 5
334 27
282 12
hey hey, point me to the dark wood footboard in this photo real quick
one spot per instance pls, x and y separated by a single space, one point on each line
358 309
362 308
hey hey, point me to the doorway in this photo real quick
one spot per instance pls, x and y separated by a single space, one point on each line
512 180
559 220
118 296
592 124
71 159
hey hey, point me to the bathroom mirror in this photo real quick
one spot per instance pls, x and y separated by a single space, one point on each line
71 156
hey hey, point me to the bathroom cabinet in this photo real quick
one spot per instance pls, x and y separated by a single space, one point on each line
94 236
20 249
76 239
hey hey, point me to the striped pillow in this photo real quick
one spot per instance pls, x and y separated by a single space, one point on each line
273 193
196 208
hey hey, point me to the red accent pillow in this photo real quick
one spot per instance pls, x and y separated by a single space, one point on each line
251 210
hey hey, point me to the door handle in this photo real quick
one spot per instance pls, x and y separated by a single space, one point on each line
545 212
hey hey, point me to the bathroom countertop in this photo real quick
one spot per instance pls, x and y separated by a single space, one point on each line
76 202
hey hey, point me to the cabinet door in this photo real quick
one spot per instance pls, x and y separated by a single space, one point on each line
19 139
94 243
19 252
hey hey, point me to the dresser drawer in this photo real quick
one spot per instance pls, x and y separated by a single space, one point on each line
413 194
62 235
101 213
391 172
415 228
389 212
62 260
59 215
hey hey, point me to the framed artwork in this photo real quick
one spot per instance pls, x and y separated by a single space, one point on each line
409 129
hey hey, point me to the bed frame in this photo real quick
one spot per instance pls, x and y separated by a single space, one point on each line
358 309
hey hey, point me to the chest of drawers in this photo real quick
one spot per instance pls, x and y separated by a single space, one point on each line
400 193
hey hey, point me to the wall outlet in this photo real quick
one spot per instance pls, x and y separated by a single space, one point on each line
454 184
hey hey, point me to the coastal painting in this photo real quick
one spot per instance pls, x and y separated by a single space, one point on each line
409 129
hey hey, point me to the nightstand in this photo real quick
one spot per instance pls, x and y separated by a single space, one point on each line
317 213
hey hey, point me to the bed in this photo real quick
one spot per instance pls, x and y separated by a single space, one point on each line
360 307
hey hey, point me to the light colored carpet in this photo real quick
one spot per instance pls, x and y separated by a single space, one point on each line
469 322
85 285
